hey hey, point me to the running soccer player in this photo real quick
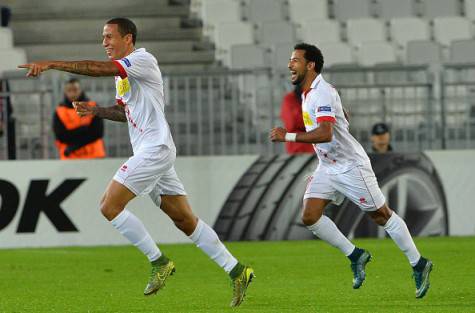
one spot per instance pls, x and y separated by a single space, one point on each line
140 102
343 169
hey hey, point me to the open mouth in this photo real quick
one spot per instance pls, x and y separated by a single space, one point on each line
293 74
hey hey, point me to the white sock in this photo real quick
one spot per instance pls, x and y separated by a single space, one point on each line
326 230
397 229
134 230
207 240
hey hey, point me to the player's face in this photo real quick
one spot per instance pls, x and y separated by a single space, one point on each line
72 91
381 142
115 44
297 66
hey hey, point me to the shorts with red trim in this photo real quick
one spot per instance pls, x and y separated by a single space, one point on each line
359 185
151 173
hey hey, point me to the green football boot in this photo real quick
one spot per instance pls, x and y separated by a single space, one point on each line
422 279
158 276
358 269
240 284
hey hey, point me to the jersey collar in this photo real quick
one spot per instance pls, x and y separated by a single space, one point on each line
314 85
135 51
316 81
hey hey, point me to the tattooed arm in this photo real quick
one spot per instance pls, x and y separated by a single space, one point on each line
113 113
89 68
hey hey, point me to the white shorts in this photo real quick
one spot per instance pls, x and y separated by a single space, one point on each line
152 174
358 184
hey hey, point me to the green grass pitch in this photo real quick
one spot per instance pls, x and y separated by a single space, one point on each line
293 276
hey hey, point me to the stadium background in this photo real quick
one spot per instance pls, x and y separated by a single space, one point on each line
409 63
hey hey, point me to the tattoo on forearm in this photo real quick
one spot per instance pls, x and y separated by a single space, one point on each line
113 113
90 68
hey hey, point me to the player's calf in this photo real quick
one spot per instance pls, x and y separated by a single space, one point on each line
186 225
179 210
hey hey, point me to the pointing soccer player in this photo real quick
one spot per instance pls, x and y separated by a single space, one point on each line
140 103
343 169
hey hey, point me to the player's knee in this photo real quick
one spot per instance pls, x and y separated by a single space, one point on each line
309 218
378 220
186 224
381 216
110 211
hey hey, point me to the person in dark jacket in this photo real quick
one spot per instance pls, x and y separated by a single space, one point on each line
380 138
77 137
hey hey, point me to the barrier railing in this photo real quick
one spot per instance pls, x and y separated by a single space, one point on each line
231 112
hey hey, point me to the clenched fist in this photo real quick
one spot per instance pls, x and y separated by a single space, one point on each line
83 108
277 134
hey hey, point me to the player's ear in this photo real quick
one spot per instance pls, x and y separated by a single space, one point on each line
310 65
128 38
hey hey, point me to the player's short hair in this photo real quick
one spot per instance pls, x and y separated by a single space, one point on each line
125 27
312 54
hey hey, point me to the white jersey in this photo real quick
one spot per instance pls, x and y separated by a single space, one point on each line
140 90
322 103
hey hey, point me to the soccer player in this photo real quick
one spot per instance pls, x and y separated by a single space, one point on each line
343 169
140 103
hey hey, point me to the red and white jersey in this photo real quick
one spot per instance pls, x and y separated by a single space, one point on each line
139 88
322 103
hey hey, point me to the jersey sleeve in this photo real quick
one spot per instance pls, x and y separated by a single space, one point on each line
135 66
324 107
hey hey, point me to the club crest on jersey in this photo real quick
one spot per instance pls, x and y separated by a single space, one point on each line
324 109
123 86
127 62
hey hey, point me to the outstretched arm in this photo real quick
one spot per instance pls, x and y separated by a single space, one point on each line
89 68
113 113
323 133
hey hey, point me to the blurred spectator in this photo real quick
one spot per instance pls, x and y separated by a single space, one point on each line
291 115
77 137
380 138
5 15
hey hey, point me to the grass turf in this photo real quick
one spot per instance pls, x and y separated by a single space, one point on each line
294 276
